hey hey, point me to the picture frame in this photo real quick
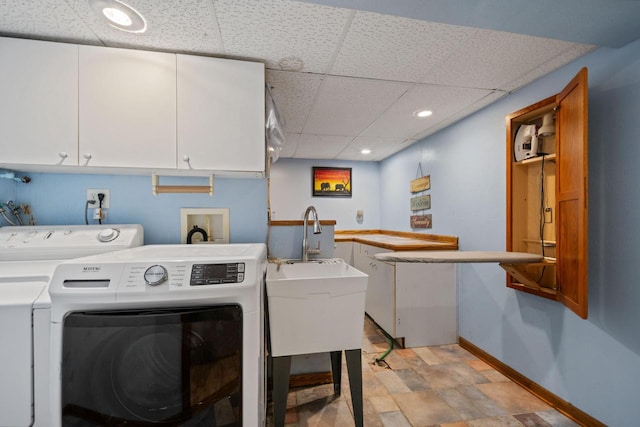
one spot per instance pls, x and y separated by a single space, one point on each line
331 182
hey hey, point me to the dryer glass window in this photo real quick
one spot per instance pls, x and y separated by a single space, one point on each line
178 367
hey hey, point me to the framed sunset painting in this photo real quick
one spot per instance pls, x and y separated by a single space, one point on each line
330 182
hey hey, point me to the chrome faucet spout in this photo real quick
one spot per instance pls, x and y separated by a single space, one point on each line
317 229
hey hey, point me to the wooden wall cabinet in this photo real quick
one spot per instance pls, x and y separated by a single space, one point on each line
547 200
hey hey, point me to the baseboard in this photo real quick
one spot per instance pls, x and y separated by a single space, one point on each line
310 379
551 399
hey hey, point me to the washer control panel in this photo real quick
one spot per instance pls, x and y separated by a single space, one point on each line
213 274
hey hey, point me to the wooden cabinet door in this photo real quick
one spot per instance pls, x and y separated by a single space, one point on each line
220 114
39 102
571 195
127 108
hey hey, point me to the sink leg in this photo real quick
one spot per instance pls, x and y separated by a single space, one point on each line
281 371
336 370
354 369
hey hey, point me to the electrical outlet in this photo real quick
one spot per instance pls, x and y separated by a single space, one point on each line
548 215
93 195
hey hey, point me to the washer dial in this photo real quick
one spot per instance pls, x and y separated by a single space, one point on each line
108 235
155 275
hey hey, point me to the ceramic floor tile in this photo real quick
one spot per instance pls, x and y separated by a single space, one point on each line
556 419
441 376
412 379
371 418
392 382
531 420
456 424
512 398
479 365
425 408
427 356
325 413
394 419
371 385
494 376
383 403
468 404
501 421
468 373
452 353
395 361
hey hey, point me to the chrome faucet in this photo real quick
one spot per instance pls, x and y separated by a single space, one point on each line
317 229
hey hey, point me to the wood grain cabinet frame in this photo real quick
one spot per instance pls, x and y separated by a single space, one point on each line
547 206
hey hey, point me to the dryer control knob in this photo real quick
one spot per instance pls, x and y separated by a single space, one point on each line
108 235
155 275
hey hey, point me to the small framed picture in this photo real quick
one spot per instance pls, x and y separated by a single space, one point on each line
330 182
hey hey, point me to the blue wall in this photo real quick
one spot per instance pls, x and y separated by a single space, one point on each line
595 363
60 199
291 193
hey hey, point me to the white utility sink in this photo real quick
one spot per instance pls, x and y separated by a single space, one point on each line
315 306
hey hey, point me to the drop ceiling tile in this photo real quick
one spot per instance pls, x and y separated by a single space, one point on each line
290 144
285 34
464 112
444 101
574 52
321 146
393 48
380 148
171 26
293 94
47 20
492 59
347 106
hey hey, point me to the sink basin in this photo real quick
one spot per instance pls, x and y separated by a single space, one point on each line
315 306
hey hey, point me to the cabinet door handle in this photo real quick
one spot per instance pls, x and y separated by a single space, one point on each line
63 155
187 160
87 156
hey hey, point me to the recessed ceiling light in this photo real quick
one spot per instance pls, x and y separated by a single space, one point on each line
119 15
365 151
423 113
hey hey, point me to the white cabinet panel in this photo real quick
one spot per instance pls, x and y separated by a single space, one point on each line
426 304
416 302
38 102
344 250
127 108
220 114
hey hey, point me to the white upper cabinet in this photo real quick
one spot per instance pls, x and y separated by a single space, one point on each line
220 114
127 108
38 102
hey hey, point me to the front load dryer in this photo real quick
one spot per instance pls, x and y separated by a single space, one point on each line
168 335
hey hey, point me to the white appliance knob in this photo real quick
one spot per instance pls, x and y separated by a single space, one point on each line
155 275
108 235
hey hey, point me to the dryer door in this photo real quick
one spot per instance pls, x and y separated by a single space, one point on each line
179 367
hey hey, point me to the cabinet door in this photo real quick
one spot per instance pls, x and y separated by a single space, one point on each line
344 250
127 108
426 304
571 195
39 102
220 114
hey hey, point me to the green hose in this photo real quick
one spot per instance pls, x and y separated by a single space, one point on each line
386 353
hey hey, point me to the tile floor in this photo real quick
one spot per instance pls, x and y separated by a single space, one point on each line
428 386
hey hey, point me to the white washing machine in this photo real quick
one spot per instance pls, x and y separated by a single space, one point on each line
160 335
28 256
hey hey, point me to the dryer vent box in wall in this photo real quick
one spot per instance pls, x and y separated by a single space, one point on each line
204 225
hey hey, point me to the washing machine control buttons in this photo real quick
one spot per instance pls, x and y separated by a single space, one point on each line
155 275
215 274
108 235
